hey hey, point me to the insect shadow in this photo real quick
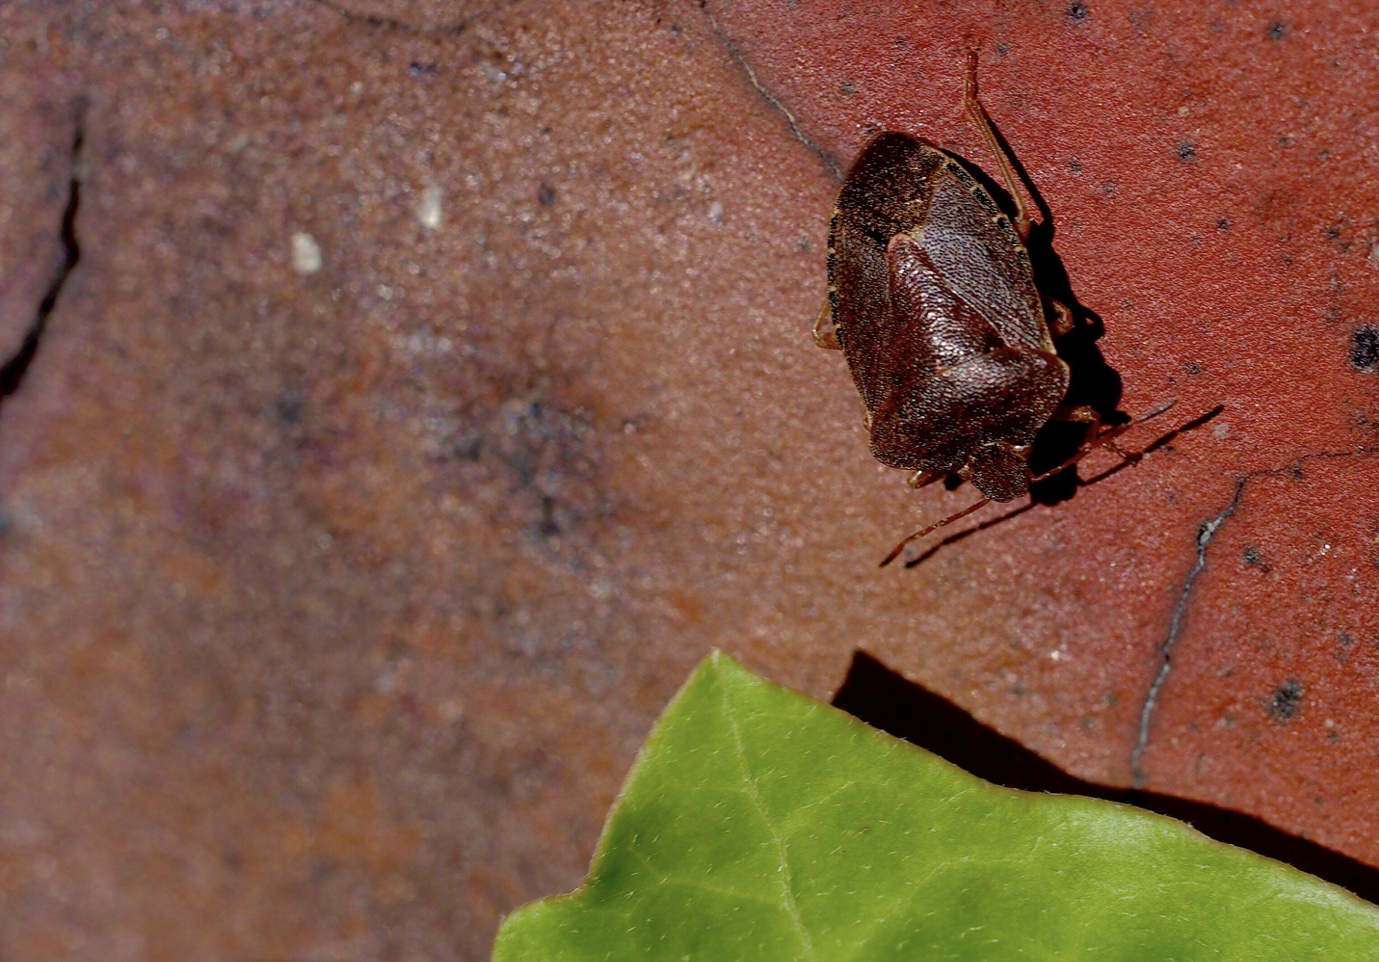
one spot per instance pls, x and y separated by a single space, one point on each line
1162 441
886 700
1092 381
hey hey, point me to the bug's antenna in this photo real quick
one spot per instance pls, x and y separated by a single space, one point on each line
895 552
1104 439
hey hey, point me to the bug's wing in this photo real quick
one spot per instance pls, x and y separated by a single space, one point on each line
980 257
884 194
931 328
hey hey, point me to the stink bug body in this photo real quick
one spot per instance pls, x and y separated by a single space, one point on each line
933 301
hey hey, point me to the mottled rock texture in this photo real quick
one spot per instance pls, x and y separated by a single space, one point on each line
405 395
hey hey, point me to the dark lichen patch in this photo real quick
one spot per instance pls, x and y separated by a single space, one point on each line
1192 367
545 195
1345 641
1277 31
1364 348
1254 558
552 456
1286 700
1075 166
1078 12
1187 152
289 407
1223 223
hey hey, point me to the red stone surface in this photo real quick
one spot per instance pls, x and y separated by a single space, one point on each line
334 605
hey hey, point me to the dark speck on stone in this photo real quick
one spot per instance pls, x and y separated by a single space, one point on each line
545 194
1223 223
1284 705
1277 31
289 407
1187 153
1254 558
1077 12
1364 348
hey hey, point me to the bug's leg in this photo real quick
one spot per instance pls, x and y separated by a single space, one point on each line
1063 321
1095 437
895 552
1104 439
825 332
1079 414
918 479
978 115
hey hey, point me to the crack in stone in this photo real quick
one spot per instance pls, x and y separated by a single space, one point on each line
1205 533
13 371
741 60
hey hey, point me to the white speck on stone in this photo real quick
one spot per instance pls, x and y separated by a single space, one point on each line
716 213
429 207
1221 431
1183 111
306 253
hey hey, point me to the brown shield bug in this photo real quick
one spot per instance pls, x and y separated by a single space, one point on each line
933 301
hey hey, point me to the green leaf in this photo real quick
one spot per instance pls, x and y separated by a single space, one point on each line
757 824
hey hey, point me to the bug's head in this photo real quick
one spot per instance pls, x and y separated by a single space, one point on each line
1000 471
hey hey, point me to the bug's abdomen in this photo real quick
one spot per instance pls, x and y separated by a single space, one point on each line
1005 395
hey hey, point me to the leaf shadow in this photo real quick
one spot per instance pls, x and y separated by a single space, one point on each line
886 700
